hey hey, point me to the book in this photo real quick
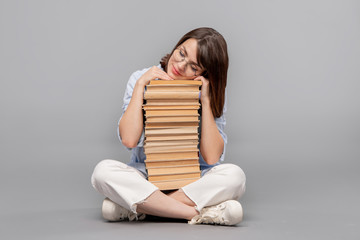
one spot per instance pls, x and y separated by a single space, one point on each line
172 87
176 119
173 184
173 169
171 113
171 132
169 143
168 149
176 162
172 155
169 107
171 95
171 125
172 137
172 102
173 176
183 82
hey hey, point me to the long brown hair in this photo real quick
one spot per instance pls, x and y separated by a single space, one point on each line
213 57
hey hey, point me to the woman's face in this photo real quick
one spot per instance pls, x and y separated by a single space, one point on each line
182 63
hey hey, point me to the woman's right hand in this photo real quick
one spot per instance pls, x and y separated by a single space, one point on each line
153 73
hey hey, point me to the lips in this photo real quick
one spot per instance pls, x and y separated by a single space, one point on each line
175 72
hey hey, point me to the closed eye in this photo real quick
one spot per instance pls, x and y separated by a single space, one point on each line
194 68
181 53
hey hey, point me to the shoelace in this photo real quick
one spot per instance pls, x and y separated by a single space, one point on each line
135 217
132 216
212 215
127 215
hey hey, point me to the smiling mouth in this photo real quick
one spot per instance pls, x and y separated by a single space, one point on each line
175 71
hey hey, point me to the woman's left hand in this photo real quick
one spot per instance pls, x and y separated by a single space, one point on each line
205 96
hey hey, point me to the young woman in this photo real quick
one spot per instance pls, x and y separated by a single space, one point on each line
200 55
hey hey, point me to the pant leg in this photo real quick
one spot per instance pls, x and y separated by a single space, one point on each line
222 182
121 183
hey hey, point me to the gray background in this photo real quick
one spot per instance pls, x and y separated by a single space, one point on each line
292 122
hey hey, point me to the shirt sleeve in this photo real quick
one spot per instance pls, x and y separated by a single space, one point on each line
127 97
220 123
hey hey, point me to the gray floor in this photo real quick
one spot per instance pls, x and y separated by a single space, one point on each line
293 199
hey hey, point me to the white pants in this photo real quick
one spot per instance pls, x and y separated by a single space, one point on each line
128 187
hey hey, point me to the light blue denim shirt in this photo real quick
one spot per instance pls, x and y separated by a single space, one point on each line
137 154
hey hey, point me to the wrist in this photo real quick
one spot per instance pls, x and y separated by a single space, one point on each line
140 85
138 90
205 101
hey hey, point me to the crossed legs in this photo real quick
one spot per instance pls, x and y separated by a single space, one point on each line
173 205
127 187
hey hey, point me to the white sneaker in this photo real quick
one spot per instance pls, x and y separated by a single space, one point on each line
226 213
114 212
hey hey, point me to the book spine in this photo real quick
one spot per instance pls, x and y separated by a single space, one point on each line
171 95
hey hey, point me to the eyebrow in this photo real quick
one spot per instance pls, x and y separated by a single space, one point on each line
187 55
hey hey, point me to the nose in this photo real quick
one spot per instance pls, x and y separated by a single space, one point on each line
182 65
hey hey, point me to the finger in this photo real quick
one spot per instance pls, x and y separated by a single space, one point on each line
204 81
157 72
167 75
160 74
163 75
199 78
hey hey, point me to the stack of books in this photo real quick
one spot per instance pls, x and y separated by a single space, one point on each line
171 132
